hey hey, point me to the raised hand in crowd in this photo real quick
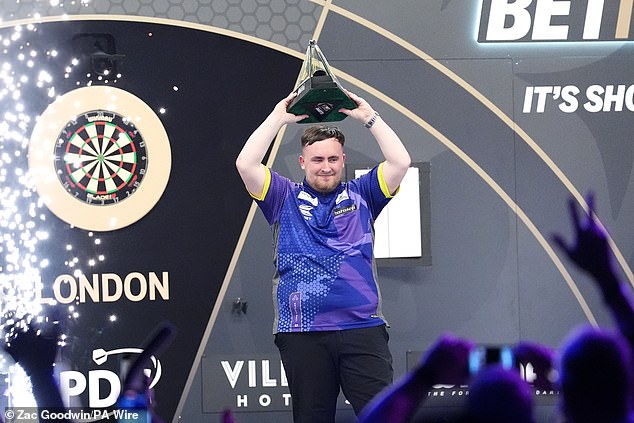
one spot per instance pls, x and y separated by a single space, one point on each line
33 343
590 249
591 252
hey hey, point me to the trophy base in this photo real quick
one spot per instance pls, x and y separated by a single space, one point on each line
320 98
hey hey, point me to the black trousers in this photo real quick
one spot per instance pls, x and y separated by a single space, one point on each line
318 364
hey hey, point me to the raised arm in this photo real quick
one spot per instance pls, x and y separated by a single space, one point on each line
34 346
591 252
397 159
249 161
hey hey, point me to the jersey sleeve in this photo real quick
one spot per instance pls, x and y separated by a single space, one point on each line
276 188
373 189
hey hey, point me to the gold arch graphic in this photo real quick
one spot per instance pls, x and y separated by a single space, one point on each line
624 19
327 5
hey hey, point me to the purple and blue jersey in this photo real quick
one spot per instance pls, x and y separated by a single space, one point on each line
325 275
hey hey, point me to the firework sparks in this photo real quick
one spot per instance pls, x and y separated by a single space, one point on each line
23 226
21 216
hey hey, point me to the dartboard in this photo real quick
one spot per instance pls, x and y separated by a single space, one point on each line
88 158
100 157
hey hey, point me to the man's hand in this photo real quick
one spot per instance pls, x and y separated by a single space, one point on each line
280 111
590 250
33 345
363 112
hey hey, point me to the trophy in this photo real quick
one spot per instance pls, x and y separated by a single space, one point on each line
319 94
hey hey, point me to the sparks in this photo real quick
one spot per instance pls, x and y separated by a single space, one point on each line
23 226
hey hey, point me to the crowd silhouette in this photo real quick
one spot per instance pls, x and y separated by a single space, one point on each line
593 365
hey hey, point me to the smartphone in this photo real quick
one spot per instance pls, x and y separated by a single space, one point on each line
486 355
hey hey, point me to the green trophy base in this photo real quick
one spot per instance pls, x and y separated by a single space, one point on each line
320 97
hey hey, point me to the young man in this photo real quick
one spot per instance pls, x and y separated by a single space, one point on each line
328 325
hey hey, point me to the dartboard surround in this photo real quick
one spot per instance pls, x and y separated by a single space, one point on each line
100 158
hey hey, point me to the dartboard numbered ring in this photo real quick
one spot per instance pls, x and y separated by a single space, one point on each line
100 158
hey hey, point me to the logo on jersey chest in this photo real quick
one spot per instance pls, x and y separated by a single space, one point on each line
344 210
